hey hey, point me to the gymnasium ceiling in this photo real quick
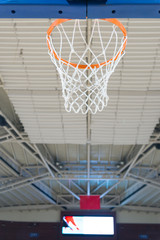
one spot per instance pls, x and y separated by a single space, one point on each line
49 157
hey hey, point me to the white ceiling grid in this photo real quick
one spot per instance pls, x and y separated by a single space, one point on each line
33 86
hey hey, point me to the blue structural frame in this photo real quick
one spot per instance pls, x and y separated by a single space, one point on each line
79 9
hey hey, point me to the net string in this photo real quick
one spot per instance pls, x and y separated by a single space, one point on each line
74 80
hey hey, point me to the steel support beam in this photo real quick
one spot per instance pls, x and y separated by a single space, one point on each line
132 195
146 181
144 185
33 185
60 172
140 156
51 206
110 189
23 182
141 208
133 161
31 149
51 173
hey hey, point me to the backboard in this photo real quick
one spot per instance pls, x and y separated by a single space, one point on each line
89 9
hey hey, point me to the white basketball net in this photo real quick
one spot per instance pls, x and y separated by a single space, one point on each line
85 89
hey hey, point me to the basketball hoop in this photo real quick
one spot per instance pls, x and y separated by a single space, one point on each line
84 82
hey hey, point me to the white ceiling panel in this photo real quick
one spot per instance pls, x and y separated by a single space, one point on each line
34 87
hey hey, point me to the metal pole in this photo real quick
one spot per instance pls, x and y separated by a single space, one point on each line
89 23
88 168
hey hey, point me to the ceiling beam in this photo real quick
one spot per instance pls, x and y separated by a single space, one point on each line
33 185
144 151
53 207
110 189
52 174
31 148
147 181
141 208
23 182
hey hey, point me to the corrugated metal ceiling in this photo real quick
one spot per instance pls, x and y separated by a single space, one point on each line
33 86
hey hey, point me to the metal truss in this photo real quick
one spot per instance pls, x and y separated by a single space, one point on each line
35 152
21 176
22 182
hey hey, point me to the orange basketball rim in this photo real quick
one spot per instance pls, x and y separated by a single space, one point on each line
81 66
